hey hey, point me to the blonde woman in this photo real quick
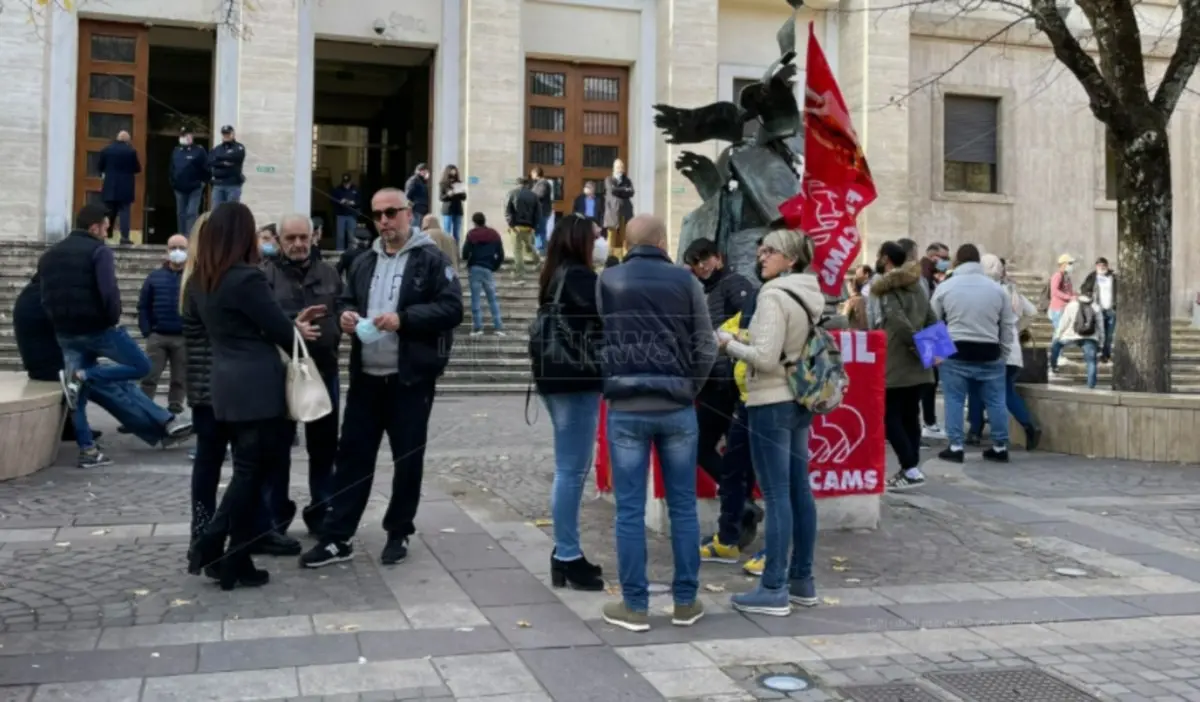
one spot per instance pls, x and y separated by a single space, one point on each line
432 225
212 437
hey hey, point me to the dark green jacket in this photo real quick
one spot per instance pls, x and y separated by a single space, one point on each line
905 310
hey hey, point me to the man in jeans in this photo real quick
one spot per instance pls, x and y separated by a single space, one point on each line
80 295
980 318
189 172
226 160
162 326
484 253
659 347
408 297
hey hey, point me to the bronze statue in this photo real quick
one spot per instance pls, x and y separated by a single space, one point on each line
742 191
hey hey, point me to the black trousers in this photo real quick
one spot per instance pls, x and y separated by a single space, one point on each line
714 414
929 400
321 443
902 423
212 438
260 451
378 405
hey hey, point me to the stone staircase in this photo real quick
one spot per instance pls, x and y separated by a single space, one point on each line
483 364
1185 344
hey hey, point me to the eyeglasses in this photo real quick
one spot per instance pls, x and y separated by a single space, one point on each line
387 213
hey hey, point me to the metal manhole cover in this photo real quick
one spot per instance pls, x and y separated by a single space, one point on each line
889 692
1022 684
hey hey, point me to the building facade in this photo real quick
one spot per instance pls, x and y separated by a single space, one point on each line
1001 150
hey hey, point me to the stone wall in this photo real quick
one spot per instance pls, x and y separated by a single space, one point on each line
24 48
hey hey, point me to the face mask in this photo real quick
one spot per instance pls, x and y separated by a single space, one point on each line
943 265
600 250
183 141
1070 267
367 332
270 249
177 256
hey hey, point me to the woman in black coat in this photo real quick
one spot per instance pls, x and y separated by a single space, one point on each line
228 294
452 195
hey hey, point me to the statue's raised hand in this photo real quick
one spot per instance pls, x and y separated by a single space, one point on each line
671 120
701 171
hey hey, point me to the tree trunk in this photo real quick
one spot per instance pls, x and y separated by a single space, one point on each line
1142 348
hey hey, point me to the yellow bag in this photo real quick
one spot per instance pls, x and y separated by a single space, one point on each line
739 367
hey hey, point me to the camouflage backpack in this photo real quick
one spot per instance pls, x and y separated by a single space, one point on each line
818 378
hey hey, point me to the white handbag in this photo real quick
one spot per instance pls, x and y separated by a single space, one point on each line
307 398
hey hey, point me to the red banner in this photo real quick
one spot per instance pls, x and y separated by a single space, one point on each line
837 183
846 447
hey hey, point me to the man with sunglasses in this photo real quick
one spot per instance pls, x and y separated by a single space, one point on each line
401 303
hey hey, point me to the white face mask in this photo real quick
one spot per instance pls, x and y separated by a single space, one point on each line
1070 267
183 141
177 256
600 250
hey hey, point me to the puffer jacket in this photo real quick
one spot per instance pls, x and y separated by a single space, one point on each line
199 353
904 311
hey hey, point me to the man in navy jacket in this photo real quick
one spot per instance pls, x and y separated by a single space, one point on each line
119 166
162 326
226 160
659 348
189 172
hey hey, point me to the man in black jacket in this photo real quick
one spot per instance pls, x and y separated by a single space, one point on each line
299 282
226 160
189 172
402 302
416 191
522 212
119 166
80 296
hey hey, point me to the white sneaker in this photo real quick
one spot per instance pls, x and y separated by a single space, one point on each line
500 332
932 431
477 332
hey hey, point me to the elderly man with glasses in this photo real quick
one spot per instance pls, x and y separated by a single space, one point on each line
401 303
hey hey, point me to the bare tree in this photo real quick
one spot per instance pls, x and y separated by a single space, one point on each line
1136 117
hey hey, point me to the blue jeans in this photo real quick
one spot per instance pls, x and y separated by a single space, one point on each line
1055 316
482 280
779 447
673 434
452 225
539 237
187 209
1090 350
574 416
81 353
225 193
1110 327
1015 403
346 224
132 409
987 377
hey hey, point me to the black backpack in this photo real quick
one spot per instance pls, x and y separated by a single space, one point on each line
1085 320
556 349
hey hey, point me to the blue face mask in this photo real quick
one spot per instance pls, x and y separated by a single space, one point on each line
269 249
943 265
367 332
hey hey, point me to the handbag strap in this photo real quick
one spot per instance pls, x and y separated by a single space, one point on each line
561 274
299 348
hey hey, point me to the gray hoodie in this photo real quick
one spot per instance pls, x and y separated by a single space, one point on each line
380 357
976 310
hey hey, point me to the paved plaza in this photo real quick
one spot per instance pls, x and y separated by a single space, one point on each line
1052 579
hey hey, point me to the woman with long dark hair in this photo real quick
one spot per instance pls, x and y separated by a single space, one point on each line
567 377
453 195
230 297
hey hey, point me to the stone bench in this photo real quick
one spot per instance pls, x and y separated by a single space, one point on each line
1108 424
31 421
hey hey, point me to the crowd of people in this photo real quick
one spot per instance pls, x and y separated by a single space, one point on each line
684 359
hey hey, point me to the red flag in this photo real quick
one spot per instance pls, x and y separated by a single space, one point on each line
836 184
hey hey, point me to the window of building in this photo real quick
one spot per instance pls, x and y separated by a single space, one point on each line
970 155
1112 160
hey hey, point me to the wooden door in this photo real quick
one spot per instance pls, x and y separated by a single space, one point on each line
576 125
114 63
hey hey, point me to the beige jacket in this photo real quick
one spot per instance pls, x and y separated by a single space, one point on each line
780 326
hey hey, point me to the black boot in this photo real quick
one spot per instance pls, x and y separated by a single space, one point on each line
275 544
238 569
205 550
1033 436
577 574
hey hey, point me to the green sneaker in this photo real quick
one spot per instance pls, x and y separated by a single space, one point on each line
687 614
617 614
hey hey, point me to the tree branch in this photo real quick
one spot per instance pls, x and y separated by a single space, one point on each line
1101 98
1119 41
1183 61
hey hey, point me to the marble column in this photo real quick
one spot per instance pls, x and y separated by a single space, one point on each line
686 45
61 109
448 88
493 99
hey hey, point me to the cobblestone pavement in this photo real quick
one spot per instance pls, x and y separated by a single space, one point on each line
1052 579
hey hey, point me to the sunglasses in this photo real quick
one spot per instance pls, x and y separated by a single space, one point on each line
388 213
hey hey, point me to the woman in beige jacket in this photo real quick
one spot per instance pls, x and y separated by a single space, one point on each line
789 303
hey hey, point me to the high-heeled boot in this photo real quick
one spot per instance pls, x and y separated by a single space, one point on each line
577 574
238 569
205 550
